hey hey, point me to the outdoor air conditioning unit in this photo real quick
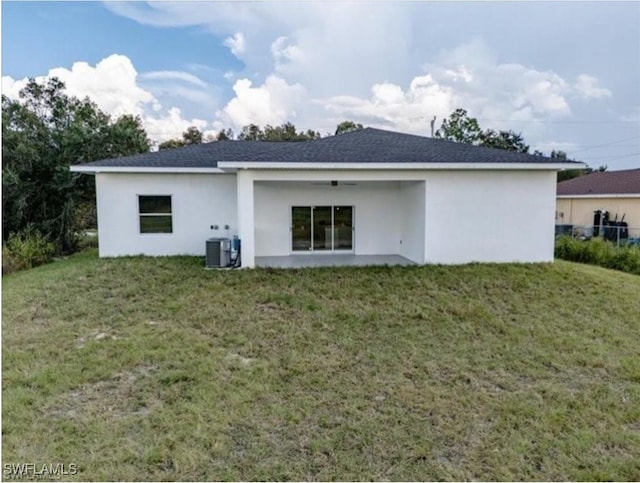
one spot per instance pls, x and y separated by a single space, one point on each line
218 253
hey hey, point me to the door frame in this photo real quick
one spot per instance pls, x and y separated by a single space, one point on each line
311 251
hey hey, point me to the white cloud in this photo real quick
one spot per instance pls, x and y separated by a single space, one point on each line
544 93
466 77
392 107
236 44
170 125
273 102
305 42
173 75
111 84
284 52
361 59
394 66
587 87
114 85
11 87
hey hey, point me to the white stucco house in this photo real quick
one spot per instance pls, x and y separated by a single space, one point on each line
363 194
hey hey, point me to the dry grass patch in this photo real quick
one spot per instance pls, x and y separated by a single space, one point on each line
113 397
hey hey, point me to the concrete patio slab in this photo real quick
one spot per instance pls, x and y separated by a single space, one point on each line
330 260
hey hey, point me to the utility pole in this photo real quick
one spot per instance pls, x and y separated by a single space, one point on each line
433 122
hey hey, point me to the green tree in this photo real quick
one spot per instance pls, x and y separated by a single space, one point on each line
192 135
284 132
461 128
310 135
569 173
171 144
126 136
224 135
252 132
503 140
288 132
347 126
43 133
574 173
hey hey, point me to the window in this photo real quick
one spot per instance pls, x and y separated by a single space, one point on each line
155 214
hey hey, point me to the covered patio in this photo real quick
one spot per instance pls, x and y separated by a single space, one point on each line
331 260
321 218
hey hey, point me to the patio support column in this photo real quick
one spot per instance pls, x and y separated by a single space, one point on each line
246 226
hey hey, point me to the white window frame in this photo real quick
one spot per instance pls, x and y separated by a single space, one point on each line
140 215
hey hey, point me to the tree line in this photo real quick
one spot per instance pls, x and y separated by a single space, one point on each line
42 134
253 132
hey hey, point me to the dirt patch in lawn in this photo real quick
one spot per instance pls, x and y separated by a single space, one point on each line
117 397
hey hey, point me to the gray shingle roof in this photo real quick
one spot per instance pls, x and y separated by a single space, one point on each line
378 146
603 183
368 145
204 155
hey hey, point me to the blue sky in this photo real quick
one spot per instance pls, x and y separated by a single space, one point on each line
91 32
566 75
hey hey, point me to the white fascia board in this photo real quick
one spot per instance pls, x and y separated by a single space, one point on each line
135 169
399 166
622 195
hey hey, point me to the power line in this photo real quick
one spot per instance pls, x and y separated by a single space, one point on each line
616 157
560 122
585 147
606 144
540 121
613 147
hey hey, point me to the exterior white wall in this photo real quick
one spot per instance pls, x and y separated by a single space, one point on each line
376 214
479 216
428 216
412 215
198 201
246 217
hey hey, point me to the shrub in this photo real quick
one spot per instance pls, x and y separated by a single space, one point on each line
27 249
85 216
598 251
626 259
88 240
9 264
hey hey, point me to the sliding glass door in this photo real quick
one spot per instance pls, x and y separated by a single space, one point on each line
343 227
300 228
321 228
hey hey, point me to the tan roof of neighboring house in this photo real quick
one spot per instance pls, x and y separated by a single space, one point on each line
603 183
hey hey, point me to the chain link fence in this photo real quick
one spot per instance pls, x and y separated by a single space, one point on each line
620 235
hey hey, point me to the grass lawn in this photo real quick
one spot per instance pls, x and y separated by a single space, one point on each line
155 369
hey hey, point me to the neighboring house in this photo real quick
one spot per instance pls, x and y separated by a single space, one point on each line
617 192
368 192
